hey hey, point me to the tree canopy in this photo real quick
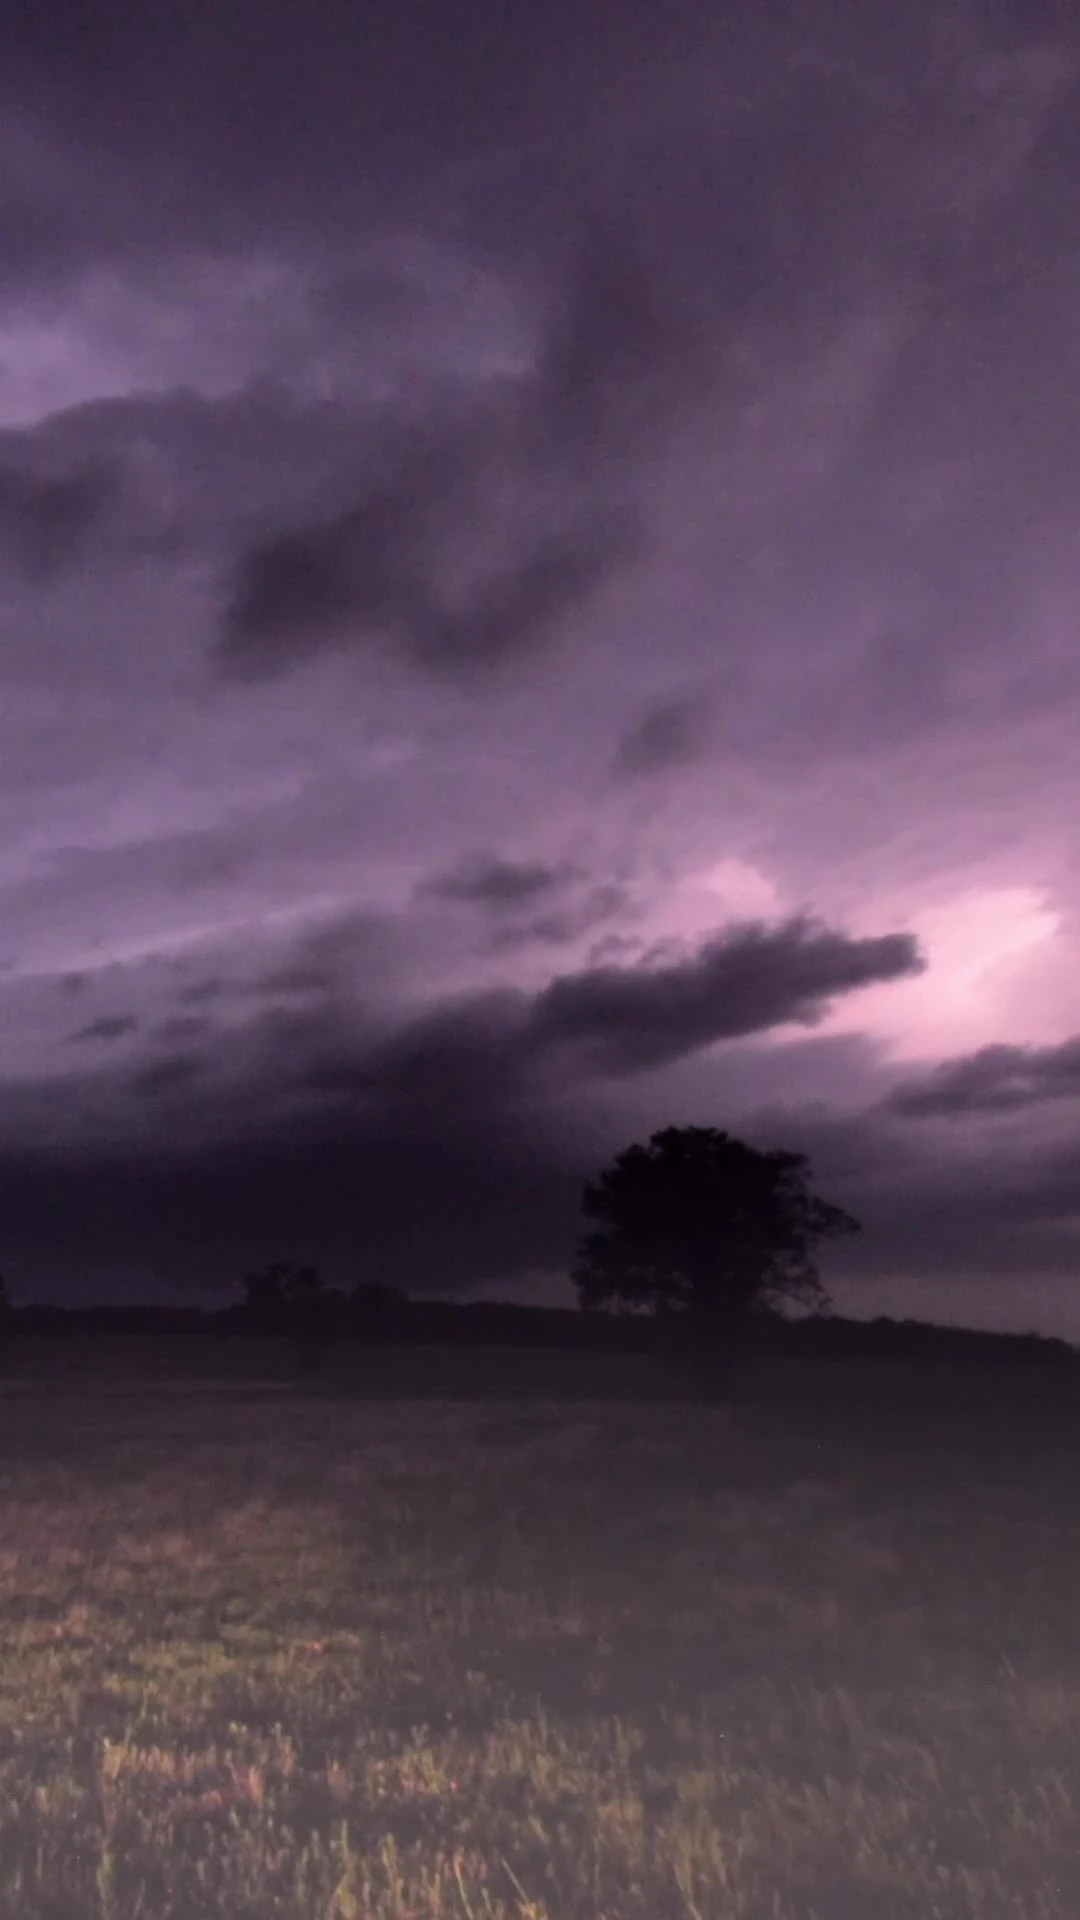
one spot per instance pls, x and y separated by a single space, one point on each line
701 1224
281 1289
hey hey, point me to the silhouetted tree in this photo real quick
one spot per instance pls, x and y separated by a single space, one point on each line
707 1232
291 1300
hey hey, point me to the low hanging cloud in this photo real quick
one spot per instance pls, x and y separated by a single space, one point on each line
996 1079
181 1030
369 575
199 992
361 569
628 1020
483 880
488 1048
461 1058
520 606
560 926
668 735
469 1057
46 520
109 1027
172 1073
319 1128
545 461
330 959
625 348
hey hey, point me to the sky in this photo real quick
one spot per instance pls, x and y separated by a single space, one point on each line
539 587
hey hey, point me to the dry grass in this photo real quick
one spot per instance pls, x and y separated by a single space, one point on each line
813 1657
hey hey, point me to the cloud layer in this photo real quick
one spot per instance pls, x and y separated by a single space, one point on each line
538 583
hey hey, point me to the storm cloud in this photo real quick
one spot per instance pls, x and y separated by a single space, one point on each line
627 1019
400 562
538 583
665 737
110 1027
996 1079
485 1078
486 881
46 520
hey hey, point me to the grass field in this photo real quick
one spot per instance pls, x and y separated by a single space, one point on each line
814 1656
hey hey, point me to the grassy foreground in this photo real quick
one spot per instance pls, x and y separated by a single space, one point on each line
814 1657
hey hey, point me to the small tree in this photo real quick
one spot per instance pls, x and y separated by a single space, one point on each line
705 1231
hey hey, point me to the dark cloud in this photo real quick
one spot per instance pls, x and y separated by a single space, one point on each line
587 356
46 520
172 863
135 130
635 323
613 946
437 1211
301 979
362 567
524 603
349 1115
429 1214
617 354
180 1029
498 1048
627 1020
304 581
230 874
297 101
996 1079
166 1076
337 954
625 347
196 472
934 1222
667 735
397 564
299 593
483 1052
201 991
563 925
486 881
465 1057
109 1027
729 137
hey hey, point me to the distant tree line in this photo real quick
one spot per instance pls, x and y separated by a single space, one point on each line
505 1324
697 1244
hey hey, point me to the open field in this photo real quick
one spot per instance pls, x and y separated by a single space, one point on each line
813 1656
349 1365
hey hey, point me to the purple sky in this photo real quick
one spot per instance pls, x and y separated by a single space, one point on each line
538 598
